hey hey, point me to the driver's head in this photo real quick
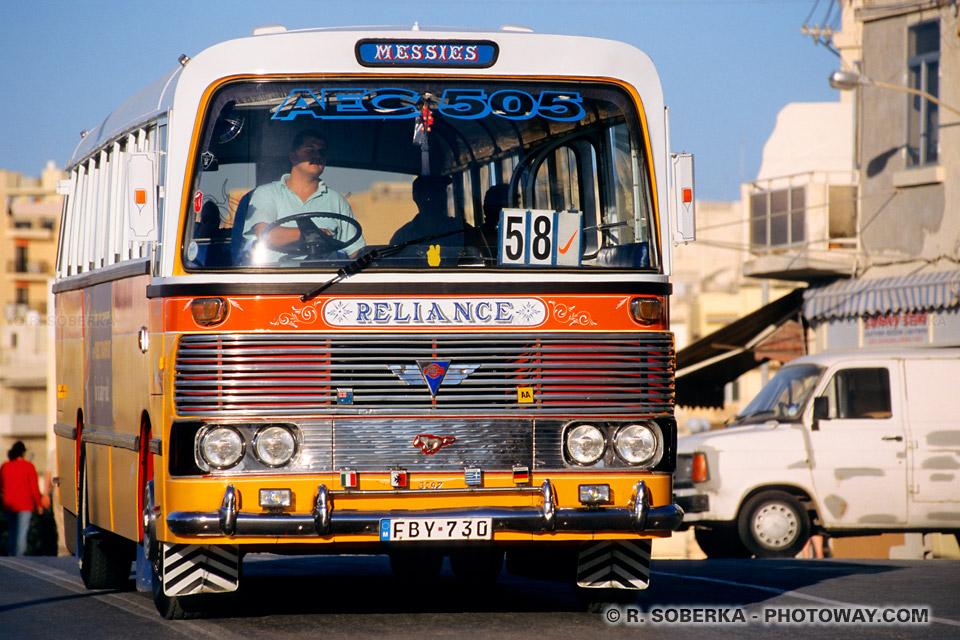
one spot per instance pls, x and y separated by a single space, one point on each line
309 151
430 192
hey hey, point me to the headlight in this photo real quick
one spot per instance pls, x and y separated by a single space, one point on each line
275 446
637 443
585 444
221 447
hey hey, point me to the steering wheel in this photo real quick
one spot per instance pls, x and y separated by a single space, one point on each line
314 243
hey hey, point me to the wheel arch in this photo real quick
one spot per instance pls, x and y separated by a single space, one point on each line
798 492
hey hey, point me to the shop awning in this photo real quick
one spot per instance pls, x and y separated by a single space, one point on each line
704 367
871 296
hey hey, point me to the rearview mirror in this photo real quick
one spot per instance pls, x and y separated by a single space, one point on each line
821 411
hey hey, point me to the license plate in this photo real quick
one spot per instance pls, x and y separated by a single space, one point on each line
419 529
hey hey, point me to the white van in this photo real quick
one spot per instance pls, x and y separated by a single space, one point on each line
838 443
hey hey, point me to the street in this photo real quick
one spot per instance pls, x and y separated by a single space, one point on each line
356 597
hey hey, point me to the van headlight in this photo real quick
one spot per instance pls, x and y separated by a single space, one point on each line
638 443
585 444
275 446
221 447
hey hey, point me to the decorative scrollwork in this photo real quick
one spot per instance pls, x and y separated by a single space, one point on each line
296 316
568 314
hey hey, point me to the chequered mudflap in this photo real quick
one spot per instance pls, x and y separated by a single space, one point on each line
614 564
200 568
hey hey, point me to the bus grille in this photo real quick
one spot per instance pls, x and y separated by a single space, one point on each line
275 374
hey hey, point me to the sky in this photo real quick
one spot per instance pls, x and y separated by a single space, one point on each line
727 66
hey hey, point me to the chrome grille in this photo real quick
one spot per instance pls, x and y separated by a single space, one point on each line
300 374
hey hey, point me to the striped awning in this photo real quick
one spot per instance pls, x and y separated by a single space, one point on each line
871 296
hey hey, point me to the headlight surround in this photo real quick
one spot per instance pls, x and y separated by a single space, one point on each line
585 443
221 447
275 446
638 444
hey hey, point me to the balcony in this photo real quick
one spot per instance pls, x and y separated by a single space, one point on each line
802 228
30 270
23 425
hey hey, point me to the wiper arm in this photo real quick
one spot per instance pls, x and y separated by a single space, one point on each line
362 262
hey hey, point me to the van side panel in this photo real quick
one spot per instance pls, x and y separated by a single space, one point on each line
933 427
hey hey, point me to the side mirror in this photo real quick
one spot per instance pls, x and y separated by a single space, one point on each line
821 411
683 206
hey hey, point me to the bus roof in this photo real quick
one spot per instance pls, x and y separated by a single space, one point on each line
155 99
275 50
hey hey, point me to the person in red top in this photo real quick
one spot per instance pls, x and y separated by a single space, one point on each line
20 493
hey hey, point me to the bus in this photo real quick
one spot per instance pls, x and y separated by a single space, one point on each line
384 291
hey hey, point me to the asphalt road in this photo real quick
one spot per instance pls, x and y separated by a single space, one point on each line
357 597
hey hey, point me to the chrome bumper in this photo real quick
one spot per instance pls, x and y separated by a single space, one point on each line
639 516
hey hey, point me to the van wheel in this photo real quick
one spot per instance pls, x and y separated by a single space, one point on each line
721 542
774 524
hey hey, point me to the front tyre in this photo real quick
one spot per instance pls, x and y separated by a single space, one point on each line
103 557
477 567
599 600
172 607
721 542
774 524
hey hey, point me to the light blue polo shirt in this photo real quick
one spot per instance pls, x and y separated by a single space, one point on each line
275 200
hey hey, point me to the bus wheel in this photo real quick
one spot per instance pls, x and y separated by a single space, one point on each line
147 549
104 558
774 524
172 607
721 542
416 566
477 567
599 600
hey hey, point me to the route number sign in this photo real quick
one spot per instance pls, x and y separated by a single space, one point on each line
540 238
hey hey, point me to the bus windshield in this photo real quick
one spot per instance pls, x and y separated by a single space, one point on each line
420 175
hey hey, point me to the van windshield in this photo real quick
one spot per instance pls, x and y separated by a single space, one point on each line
784 397
430 174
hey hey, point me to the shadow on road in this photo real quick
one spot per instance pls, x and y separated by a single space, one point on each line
362 584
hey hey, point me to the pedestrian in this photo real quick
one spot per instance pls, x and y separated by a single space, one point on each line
20 494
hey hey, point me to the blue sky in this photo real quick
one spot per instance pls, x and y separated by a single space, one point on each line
727 66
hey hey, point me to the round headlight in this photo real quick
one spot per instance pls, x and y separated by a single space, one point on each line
585 444
275 446
636 443
221 447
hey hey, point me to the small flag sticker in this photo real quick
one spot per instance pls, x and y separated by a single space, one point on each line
398 478
521 475
348 479
473 477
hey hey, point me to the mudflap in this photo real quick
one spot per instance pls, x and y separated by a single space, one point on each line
200 568
614 564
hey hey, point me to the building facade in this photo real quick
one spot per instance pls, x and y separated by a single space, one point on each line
872 228
28 244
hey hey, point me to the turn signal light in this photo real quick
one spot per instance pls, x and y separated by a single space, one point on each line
699 470
646 310
208 311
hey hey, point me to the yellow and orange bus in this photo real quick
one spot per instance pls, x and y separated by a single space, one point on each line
398 292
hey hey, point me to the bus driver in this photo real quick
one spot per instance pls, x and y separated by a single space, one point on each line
299 192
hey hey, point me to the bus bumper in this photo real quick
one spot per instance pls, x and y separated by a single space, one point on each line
638 517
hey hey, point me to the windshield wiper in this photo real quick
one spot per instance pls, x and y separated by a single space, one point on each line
362 262
766 413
